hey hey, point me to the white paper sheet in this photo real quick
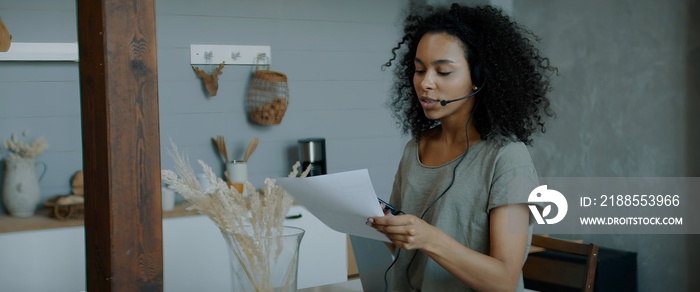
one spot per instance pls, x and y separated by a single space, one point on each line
343 201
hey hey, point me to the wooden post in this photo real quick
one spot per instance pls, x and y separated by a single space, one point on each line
121 145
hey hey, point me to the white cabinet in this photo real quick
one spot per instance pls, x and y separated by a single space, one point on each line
194 256
46 260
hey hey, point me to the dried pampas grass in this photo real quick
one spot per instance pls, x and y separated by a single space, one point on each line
255 220
19 149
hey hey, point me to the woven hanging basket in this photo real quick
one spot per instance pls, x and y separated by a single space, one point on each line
268 97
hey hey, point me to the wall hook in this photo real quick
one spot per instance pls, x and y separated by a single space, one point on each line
208 56
231 54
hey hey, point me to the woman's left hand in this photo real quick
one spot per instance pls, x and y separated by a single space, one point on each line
405 231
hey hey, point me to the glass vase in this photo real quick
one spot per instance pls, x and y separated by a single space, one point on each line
262 262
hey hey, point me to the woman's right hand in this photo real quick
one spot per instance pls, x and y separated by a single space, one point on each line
407 232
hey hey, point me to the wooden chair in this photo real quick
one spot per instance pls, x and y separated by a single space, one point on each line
564 266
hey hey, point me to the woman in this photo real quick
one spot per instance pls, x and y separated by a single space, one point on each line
471 90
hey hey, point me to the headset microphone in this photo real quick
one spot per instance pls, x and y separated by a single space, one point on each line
445 102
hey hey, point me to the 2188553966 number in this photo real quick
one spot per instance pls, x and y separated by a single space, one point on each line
640 200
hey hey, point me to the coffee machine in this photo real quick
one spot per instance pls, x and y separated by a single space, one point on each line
312 151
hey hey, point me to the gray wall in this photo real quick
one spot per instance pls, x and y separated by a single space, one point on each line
43 97
331 52
626 98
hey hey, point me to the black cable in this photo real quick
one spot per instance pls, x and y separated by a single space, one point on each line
386 283
454 172
454 175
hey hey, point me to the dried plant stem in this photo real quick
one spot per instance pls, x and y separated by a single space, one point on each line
254 223
220 143
18 149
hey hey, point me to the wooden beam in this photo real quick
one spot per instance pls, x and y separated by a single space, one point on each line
121 145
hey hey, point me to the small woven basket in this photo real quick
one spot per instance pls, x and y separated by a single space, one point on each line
268 97
64 211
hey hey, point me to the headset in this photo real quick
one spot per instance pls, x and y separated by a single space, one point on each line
476 78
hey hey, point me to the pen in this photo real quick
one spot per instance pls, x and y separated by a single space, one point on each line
389 207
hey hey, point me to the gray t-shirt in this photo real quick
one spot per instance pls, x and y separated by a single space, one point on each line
489 176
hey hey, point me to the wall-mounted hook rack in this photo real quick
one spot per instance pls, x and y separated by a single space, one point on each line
229 54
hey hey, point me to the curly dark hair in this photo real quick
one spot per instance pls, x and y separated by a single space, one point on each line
502 60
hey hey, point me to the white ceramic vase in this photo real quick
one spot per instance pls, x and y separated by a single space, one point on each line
20 189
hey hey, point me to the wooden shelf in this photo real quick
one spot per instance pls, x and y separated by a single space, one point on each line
41 52
42 221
